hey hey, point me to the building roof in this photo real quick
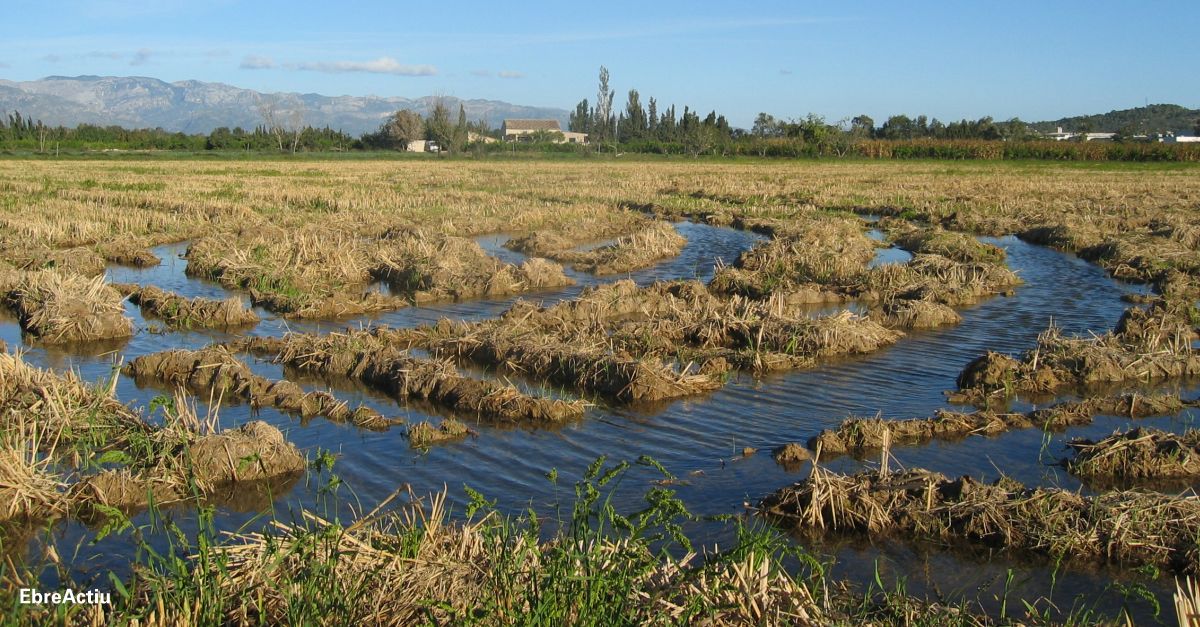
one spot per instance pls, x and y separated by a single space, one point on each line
532 125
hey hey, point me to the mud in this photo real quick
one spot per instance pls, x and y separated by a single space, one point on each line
188 313
1131 528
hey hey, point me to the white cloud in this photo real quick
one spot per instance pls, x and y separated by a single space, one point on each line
255 62
481 73
510 74
382 65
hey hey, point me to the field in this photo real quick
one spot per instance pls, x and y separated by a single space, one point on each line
534 391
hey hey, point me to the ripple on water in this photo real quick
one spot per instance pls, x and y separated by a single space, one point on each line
700 435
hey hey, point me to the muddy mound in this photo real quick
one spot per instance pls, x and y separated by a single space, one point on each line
59 308
923 505
423 434
309 272
188 313
255 450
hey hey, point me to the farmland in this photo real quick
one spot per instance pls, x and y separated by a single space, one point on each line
486 383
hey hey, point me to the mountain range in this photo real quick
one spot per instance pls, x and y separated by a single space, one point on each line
199 107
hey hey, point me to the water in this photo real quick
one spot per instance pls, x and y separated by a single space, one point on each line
698 439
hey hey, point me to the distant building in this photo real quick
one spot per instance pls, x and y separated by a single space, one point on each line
525 130
1060 135
1172 138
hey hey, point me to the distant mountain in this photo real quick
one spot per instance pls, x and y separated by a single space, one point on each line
1157 118
199 107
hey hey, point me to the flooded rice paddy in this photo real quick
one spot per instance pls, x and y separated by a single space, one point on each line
700 439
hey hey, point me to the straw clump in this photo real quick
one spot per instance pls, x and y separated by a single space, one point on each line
128 253
452 268
1141 453
188 463
58 308
952 245
1132 528
423 434
372 357
301 273
54 428
1151 343
214 372
860 435
642 248
188 313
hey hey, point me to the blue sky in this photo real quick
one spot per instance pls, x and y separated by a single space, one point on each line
1035 60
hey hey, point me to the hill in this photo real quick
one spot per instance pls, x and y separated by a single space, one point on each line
1157 118
199 107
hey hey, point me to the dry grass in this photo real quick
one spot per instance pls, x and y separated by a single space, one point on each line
433 268
30 487
1187 602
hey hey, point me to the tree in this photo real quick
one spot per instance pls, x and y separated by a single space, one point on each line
268 108
652 118
404 127
438 127
581 118
897 127
862 126
633 124
765 125
461 133
1196 127
603 123
283 119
